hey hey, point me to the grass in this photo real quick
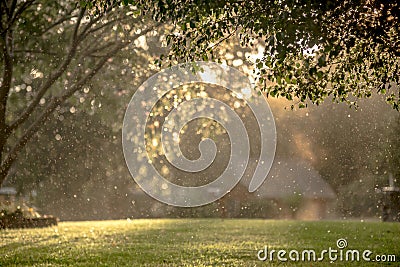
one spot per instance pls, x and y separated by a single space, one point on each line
189 242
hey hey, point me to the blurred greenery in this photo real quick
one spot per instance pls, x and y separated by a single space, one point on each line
73 166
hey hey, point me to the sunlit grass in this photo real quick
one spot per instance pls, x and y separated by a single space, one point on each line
187 242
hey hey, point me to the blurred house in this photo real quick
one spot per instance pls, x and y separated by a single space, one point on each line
7 196
298 188
293 190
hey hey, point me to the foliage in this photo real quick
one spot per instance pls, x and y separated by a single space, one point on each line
355 53
15 214
312 49
50 52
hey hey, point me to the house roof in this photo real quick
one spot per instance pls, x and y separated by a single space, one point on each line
294 177
8 191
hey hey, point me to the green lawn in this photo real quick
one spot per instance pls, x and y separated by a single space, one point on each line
190 242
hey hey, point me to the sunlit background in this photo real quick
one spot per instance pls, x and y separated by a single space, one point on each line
330 160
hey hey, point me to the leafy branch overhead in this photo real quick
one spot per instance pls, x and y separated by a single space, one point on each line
312 49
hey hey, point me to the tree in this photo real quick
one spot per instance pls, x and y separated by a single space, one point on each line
392 157
312 49
50 51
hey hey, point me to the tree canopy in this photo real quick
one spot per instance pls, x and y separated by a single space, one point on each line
66 64
49 53
312 49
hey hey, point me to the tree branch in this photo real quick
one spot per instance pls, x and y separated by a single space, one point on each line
14 16
53 77
86 29
35 52
56 101
6 41
66 17
76 39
